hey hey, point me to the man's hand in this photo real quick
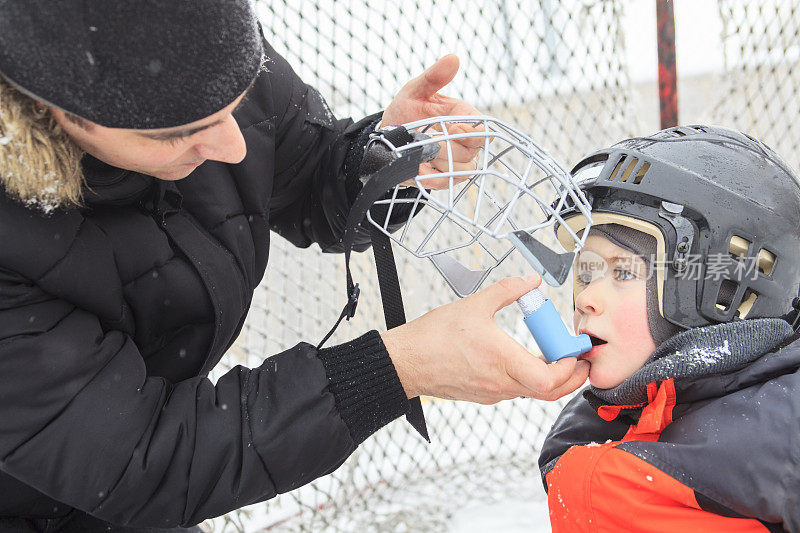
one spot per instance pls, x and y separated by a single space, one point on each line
457 351
418 99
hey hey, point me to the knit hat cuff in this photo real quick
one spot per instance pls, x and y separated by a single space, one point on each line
633 240
136 65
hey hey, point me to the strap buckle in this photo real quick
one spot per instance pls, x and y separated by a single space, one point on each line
352 302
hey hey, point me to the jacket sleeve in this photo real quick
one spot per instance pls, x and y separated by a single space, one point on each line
81 421
316 163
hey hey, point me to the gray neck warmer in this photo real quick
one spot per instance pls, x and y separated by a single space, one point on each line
697 352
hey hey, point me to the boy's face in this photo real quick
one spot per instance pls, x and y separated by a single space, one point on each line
611 306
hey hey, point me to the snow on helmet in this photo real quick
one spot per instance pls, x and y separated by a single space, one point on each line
724 209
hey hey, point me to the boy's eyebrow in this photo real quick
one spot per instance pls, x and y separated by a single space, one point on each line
177 134
616 258
621 258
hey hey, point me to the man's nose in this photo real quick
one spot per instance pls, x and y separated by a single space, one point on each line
223 142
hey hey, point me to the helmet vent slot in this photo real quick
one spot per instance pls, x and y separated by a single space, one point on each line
766 261
727 290
616 169
747 304
640 174
629 169
738 248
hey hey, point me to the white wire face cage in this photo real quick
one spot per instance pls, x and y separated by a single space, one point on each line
473 219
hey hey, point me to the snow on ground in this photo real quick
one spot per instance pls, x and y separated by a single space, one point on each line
511 516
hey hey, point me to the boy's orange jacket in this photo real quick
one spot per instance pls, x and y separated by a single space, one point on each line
715 451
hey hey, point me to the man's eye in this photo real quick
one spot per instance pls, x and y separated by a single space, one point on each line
621 274
584 278
172 141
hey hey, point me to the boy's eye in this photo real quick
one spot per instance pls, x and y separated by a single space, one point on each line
584 277
622 274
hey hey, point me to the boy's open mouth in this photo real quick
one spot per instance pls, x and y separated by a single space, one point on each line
596 341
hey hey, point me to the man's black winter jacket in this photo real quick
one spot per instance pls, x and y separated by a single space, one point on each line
112 315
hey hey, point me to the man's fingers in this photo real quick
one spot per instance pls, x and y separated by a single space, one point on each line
579 375
504 292
547 381
460 107
437 166
434 78
473 143
461 152
447 106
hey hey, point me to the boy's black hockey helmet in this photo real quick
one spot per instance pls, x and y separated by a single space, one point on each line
724 209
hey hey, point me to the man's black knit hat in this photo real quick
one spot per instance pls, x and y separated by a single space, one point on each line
137 64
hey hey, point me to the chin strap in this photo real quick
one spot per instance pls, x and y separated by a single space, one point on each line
386 178
793 317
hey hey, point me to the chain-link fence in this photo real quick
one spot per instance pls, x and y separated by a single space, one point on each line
556 69
762 73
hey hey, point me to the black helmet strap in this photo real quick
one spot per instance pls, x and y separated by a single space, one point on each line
397 171
684 231
793 316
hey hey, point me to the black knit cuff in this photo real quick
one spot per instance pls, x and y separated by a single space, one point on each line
364 384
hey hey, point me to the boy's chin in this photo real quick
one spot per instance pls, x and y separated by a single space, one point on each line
602 380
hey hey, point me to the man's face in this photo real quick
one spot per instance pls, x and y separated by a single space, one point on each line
611 306
167 154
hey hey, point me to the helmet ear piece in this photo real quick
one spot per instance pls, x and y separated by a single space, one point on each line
661 329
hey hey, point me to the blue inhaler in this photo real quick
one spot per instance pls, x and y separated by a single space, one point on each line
548 329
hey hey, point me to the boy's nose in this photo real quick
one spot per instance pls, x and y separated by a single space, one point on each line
588 301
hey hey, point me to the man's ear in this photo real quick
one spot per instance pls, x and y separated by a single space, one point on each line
62 116
56 113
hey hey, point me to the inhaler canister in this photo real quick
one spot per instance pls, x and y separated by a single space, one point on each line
548 329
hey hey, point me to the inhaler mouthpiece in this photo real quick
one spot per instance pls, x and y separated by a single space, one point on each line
548 329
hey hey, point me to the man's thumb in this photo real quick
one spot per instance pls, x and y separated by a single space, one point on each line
434 78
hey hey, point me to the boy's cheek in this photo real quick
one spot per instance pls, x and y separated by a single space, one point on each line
631 325
631 314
